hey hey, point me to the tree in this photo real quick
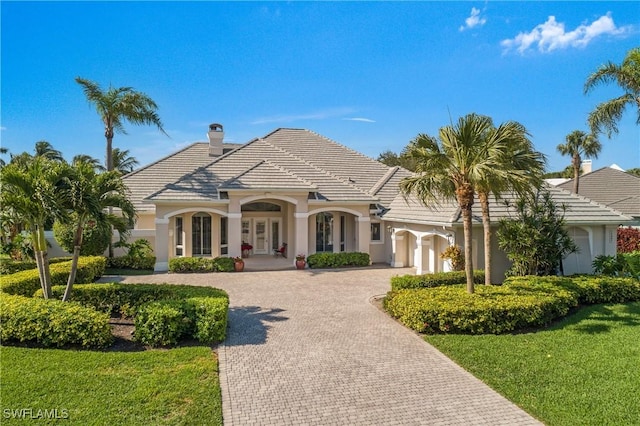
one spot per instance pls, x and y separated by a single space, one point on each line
84 158
536 240
45 149
123 162
627 76
520 170
635 171
451 166
89 196
392 159
579 145
33 191
3 151
117 105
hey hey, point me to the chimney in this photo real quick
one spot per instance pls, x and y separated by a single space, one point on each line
216 134
585 166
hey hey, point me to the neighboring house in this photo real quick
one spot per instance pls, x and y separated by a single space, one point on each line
611 187
294 186
291 186
420 234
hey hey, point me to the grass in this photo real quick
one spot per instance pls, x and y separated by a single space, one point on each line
176 386
115 271
585 370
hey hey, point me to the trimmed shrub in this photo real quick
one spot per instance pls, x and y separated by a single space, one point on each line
52 323
128 262
338 260
95 236
10 266
26 283
491 309
183 265
438 279
162 323
210 320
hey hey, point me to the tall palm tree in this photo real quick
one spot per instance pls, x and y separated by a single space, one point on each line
117 105
627 76
123 162
3 150
579 144
451 166
33 192
521 169
45 149
89 195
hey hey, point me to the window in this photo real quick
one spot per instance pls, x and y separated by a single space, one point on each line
224 235
343 232
324 232
201 234
376 232
179 237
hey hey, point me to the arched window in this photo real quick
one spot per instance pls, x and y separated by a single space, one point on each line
201 234
324 232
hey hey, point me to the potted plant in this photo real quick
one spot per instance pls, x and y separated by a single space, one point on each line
246 248
238 264
300 261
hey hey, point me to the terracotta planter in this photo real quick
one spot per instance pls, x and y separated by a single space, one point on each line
300 264
238 266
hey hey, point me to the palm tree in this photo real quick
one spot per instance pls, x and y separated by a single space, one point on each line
3 151
117 105
627 76
84 158
451 166
521 169
123 162
89 195
579 144
32 190
45 149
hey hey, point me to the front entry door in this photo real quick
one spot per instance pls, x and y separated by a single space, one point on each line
261 245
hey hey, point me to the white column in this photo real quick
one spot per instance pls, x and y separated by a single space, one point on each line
187 234
162 245
215 236
336 232
235 234
394 249
417 256
364 234
301 235
432 253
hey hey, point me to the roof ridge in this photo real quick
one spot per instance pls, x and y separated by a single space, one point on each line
290 173
238 176
384 179
342 146
326 172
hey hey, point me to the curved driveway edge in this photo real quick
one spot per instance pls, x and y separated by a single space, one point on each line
308 348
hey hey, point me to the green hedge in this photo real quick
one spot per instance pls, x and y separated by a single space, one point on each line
521 302
129 262
164 313
182 265
434 280
491 309
10 266
26 283
52 323
338 260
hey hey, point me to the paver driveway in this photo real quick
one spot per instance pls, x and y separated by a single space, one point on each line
308 348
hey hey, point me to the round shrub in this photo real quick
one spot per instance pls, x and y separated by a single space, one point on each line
434 280
491 309
162 323
95 237
183 265
52 323
338 260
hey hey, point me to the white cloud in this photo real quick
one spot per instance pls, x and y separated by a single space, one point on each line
365 120
3 128
316 115
552 35
474 20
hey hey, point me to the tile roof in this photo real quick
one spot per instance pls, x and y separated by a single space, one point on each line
293 159
580 210
611 187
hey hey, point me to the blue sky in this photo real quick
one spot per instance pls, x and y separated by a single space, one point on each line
370 75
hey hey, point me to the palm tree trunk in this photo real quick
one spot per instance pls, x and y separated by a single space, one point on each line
77 242
576 173
109 159
464 194
486 225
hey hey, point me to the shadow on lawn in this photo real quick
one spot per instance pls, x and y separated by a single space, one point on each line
601 318
248 325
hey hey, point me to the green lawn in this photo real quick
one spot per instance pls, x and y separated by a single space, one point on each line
176 386
115 271
584 370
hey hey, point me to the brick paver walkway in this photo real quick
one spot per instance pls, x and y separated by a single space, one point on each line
309 348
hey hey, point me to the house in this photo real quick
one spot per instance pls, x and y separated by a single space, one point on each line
419 234
611 187
291 186
296 187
